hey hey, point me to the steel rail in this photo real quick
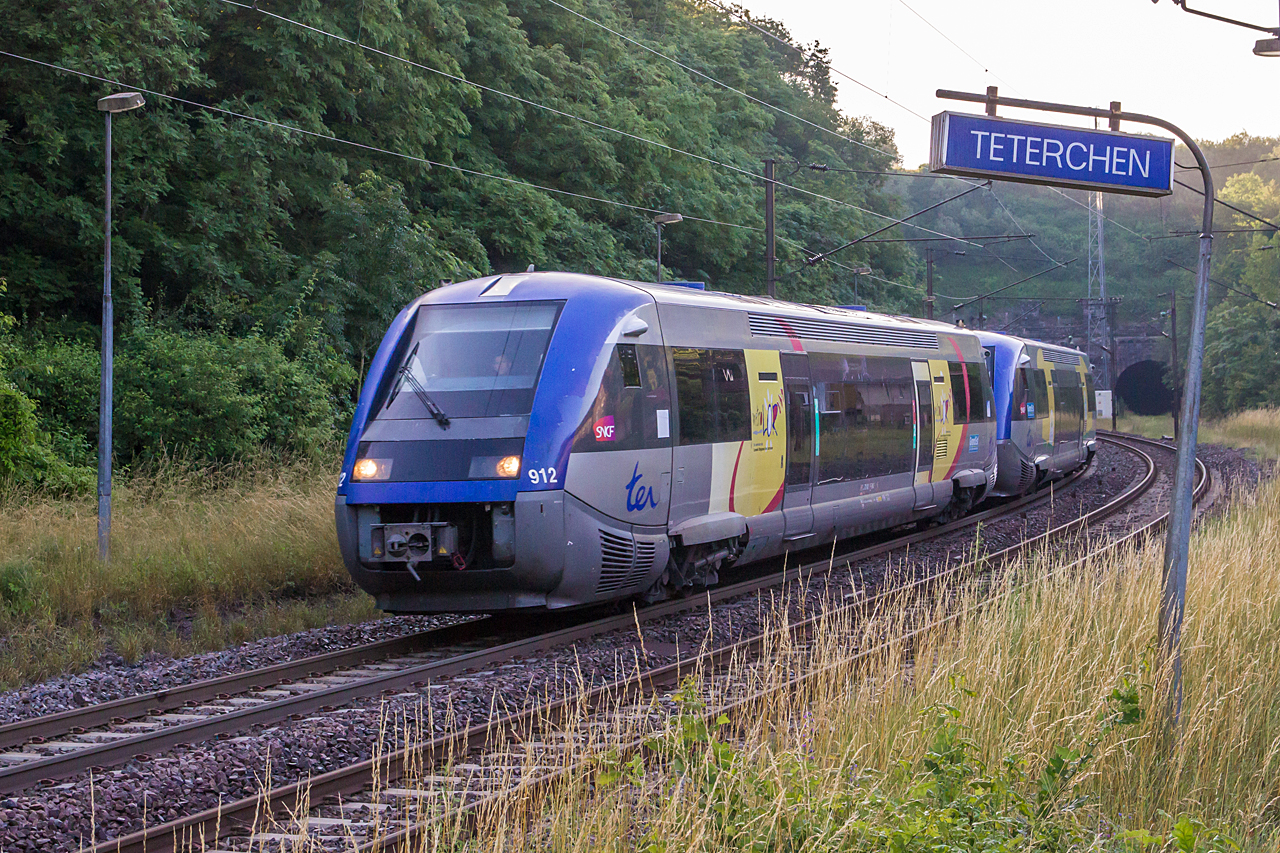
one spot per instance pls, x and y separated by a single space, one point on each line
224 819
180 696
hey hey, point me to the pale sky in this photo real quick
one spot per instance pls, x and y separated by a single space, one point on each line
1155 59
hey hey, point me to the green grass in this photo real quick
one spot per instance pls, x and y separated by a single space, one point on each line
1257 430
1034 724
1149 426
201 558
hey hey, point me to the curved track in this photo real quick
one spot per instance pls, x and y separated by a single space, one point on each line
353 780
58 746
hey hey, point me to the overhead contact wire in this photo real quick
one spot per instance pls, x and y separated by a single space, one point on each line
953 43
726 86
747 20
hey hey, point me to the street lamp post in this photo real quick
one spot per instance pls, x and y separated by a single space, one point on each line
118 103
658 221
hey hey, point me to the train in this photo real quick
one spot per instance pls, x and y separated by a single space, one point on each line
549 440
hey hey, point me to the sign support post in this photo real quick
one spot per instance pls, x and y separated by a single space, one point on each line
770 252
1128 176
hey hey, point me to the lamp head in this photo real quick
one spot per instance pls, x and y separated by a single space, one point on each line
1267 47
668 218
121 102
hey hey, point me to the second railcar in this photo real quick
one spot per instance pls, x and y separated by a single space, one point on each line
1046 410
549 440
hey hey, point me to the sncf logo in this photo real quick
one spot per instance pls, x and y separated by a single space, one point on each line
604 429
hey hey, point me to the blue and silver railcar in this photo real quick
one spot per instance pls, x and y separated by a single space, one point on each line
1046 413
547 440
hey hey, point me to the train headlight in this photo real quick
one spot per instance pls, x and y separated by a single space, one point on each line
491 467
371 469
509 466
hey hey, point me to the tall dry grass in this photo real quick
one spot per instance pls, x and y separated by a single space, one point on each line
1257 430
200 557
1005 725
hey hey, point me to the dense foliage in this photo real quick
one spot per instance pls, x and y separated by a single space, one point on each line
229 229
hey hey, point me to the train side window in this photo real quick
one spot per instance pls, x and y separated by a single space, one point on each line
695 395
1090 396
733 396
632 407
713 395
1039 392
865 416
1067 394
630 363
959 393
1020 397
982 406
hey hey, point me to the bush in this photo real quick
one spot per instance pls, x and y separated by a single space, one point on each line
204 396
62 377
26 457
1241 342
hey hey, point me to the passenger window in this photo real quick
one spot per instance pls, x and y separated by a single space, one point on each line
982 408
630 365
865 417
1039 392
1020 400
715 402
632 408
959 393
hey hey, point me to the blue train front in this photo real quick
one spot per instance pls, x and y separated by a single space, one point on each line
450 463
1045 423
549 440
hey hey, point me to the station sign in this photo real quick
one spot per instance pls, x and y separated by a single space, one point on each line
981 146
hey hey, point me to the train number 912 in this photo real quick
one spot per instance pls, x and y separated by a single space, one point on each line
542 476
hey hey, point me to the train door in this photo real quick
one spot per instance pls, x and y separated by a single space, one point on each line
946 434
797 507
1068 414
924 434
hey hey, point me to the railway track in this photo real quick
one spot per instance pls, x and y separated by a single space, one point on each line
46 749
376 817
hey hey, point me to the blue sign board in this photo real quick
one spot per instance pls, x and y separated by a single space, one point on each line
983 146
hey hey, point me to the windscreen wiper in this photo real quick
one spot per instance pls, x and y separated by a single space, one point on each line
406 375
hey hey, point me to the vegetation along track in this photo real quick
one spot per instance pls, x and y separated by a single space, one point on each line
360 814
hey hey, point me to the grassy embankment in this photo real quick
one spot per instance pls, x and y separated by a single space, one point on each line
1258 429
200 559
1034 724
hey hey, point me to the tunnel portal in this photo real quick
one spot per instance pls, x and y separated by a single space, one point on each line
1141 387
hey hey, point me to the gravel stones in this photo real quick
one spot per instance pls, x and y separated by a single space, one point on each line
113 678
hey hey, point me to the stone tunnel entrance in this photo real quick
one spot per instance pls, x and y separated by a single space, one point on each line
1141 387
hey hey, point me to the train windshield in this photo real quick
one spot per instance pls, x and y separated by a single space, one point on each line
472 361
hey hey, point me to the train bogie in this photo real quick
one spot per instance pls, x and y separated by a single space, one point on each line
553 440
